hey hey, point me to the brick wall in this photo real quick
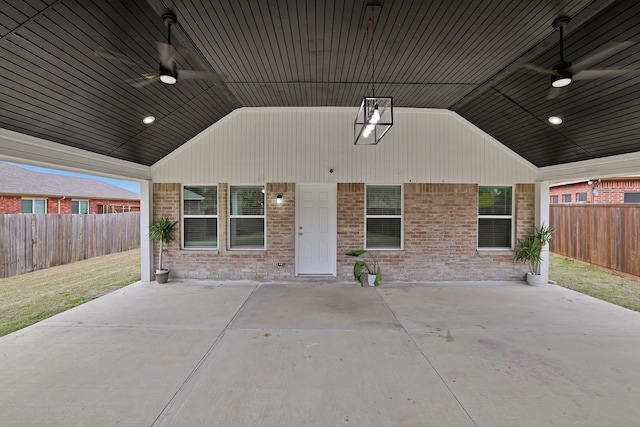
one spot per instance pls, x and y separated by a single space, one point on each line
233 264
10 204
609 191
13 204
440 236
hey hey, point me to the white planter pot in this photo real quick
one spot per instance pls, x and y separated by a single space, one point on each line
535 279
371 278
162 275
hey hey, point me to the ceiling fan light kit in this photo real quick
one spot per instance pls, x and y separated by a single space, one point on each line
560 81
168 77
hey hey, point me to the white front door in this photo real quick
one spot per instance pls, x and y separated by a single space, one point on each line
316 228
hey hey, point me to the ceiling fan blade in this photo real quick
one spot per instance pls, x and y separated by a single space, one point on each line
597 57
555 92
166 53
602 72
114 56
538 69
144 81
150 76
191 74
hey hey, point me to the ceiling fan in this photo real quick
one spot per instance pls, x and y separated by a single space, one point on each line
564 72
168 72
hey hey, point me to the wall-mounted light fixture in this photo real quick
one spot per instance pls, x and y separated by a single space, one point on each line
279 199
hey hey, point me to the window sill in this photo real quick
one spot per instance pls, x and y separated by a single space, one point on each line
206 250
494 251
246 250
383 251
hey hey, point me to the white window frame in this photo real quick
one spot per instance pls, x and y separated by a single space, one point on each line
79 202
401 216
510 217
216 216
230 216
33 204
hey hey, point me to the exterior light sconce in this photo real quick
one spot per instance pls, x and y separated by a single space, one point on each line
279 199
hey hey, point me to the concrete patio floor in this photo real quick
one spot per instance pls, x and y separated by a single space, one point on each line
202 353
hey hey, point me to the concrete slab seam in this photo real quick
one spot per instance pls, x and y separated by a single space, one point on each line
417 347
161 419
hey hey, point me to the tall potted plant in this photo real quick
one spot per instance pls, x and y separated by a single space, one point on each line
529 251
162 232
362 267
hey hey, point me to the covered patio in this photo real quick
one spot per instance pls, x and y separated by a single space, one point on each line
196 353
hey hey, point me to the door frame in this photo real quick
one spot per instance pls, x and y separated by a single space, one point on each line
333 207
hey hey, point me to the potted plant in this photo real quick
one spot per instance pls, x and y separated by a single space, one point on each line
530 251
362 267
162 231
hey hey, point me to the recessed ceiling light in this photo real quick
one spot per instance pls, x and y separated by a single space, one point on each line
148 120
555 120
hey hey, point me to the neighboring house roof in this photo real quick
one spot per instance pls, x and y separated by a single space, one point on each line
20 181
617 178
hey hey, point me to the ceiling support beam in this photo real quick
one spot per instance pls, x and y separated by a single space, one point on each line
26 149
620 165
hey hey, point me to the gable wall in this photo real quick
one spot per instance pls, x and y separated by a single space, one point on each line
258 145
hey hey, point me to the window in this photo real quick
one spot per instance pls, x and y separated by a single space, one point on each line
566 198
246 217
79 206
554 199
200 217
581 197
495 217
632 197
383 217
34 206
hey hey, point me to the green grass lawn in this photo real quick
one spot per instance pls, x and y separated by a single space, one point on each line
597 283
29 298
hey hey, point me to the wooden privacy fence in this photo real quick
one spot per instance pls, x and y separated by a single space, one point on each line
35 241
603 235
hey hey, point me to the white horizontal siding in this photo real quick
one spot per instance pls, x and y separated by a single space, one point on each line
303 144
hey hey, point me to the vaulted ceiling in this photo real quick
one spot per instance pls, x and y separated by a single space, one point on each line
461 55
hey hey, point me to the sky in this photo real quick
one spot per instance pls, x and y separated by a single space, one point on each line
127 185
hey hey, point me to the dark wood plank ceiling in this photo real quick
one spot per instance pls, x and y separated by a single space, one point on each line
462 55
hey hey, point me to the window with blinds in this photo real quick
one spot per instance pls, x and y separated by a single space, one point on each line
383 217
495 217
246 217
200 217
